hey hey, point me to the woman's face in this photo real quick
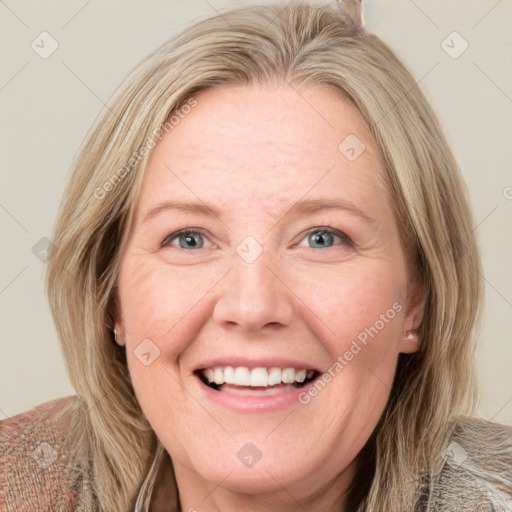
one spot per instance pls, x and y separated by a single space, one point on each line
259 283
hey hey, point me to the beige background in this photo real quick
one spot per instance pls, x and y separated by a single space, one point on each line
48 104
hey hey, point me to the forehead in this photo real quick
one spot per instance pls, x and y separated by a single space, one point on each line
265 147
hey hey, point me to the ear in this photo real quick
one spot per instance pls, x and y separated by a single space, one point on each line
119 333
415 306
118 327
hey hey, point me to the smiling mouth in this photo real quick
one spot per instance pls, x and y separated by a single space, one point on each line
259 379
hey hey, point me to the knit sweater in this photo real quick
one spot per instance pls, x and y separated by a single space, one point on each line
34 474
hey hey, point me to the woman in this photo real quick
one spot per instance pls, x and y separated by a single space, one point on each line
224 358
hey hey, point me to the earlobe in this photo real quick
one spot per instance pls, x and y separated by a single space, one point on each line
416 299
410 342
118 334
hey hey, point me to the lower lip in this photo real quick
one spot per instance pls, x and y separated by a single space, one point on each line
251 402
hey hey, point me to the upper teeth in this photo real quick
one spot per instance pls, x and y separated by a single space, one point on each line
242 376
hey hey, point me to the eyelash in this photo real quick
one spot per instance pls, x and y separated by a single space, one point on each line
323 229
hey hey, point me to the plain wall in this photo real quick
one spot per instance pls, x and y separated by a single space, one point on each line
48 104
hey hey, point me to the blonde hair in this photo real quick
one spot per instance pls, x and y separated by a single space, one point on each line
300 44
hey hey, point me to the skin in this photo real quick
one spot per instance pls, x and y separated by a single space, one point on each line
252 152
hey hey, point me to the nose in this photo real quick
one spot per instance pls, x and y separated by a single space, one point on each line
254 296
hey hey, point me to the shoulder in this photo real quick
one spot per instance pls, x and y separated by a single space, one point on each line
35 456
477 470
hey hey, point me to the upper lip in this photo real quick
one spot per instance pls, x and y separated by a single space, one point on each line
234 361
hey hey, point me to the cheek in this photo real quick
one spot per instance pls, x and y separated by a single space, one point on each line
364 313
154 311
358 303
163 309
157 301
151 309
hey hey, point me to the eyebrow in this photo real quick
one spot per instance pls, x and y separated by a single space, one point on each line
302 207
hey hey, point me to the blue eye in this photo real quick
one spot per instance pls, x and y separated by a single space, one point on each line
191 238
325 236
